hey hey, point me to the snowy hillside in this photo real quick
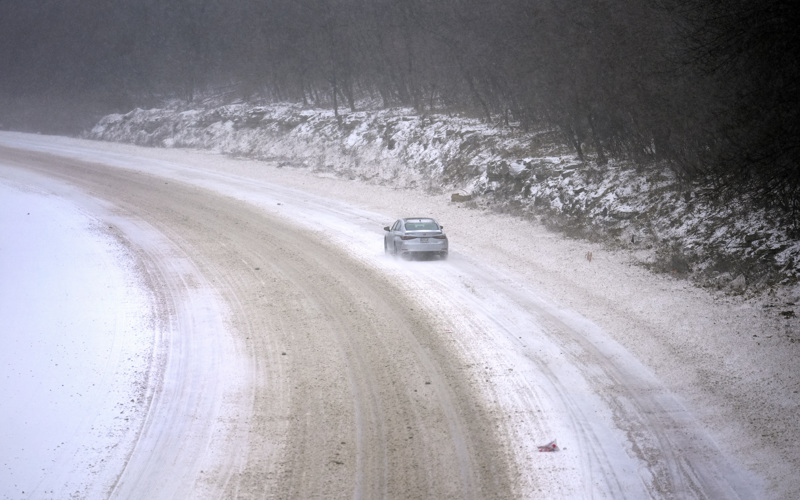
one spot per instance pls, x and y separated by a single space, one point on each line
669 227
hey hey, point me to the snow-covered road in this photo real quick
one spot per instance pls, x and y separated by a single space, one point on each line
234 329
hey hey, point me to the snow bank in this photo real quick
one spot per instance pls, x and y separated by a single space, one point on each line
674 228
76 345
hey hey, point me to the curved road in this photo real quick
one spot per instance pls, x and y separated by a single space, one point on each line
291 367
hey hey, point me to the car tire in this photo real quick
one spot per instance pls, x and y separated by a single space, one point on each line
386 247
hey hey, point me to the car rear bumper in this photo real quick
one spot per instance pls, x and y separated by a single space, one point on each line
424 247
420 249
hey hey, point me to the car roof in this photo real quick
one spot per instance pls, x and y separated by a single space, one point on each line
419 219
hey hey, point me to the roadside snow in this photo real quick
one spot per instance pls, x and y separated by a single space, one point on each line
77 342
101 361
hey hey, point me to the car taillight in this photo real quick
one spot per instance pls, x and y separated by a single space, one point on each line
440 237
408 237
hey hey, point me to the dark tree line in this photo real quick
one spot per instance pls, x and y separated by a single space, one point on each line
707 86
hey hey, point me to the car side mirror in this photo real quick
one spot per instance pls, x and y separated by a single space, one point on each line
441 227
386 228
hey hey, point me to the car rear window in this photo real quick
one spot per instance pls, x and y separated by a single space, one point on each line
421 226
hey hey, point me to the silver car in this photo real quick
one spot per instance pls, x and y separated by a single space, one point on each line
415 236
